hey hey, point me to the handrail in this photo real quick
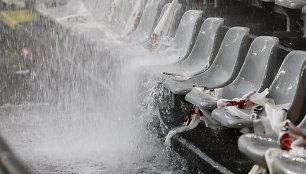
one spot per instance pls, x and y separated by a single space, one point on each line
9 162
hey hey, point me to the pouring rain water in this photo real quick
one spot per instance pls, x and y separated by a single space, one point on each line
94 100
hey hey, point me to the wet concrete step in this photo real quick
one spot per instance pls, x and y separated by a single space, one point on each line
212 151
206 150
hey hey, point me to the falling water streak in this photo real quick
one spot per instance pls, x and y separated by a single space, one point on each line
87 119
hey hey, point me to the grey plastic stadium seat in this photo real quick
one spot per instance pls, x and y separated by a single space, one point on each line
164 10
286 89
145 27
204 50
148 21
73 7
177 15
185 35
292 4
179 12
285 163
120 16
292 11
223 70
255 146
95 10
256 73
290 79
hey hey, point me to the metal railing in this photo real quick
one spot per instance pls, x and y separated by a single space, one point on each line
9 163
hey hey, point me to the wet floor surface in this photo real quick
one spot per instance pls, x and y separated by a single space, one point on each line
50 140
15 74
213 151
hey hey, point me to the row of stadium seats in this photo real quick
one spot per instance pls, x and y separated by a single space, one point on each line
232 75
230 80
287 26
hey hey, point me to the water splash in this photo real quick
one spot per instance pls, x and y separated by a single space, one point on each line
92 109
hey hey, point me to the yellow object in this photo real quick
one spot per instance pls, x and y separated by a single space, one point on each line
11 18
17 67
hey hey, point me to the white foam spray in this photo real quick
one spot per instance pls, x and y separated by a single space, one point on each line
93 115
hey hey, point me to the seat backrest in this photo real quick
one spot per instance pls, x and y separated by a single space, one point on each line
121 12
148 21
98 8
177 15
292 4
186 33
177 18
206 44
257 71
165 7
134 18
288 87
304 9
302 124
230 57
70 8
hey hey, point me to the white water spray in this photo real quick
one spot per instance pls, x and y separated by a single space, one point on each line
93 113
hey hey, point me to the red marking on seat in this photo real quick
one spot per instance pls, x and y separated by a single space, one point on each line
240 104
152 41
